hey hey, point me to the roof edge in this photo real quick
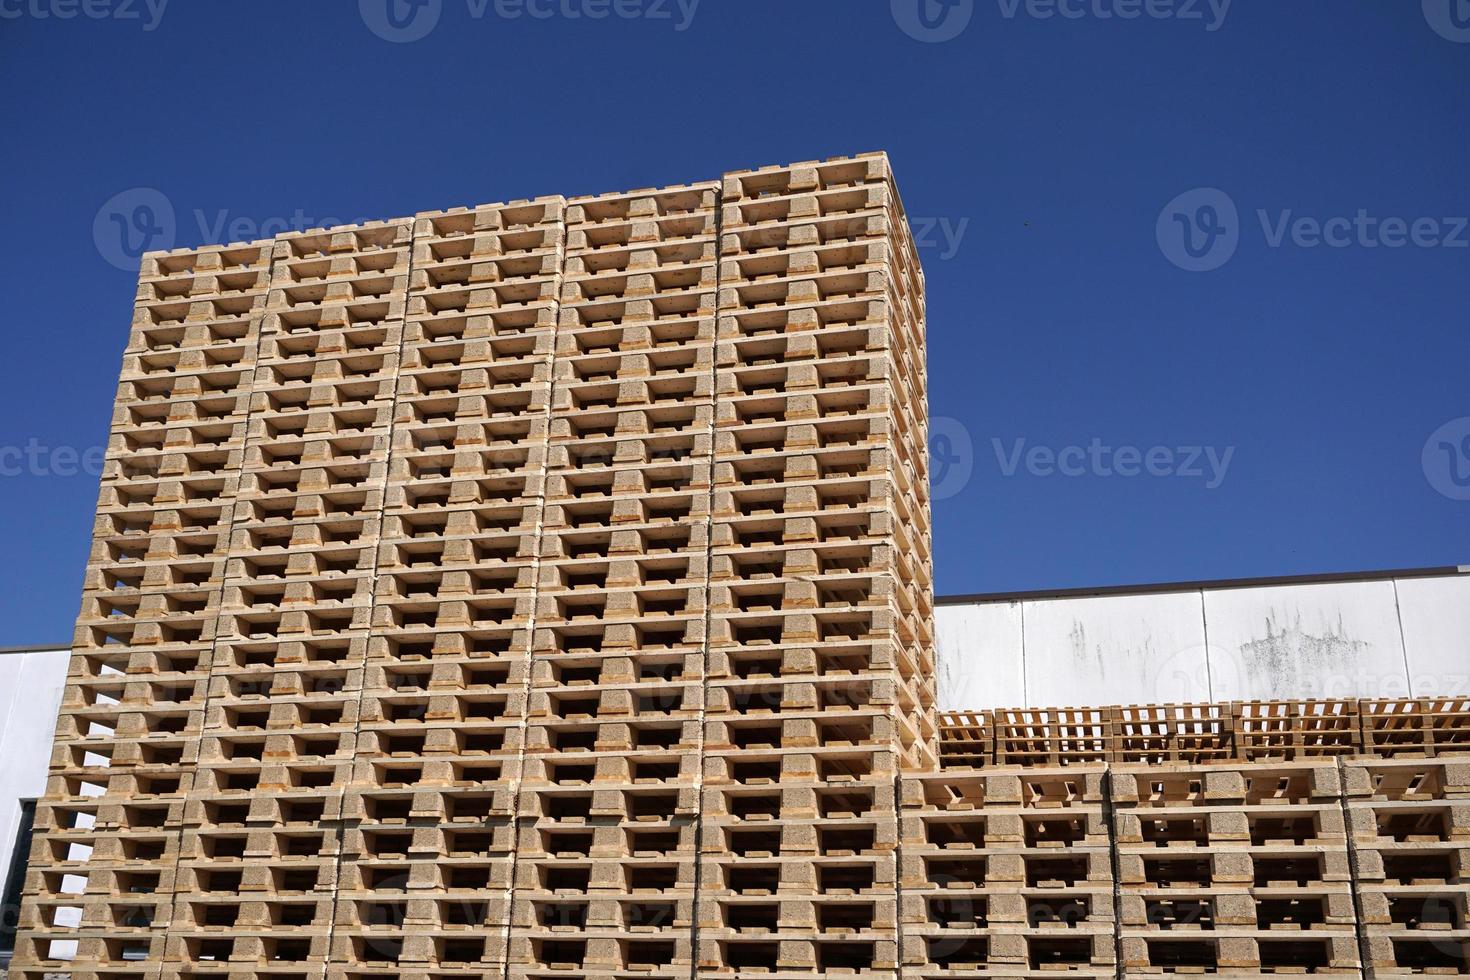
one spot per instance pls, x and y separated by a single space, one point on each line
36 648
1328 578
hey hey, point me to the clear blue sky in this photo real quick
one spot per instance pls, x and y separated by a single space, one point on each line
1040 154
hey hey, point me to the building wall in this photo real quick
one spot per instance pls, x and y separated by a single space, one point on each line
31 683
1376 637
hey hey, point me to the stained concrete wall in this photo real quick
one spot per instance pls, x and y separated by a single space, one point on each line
1307 641
1383 637
31 683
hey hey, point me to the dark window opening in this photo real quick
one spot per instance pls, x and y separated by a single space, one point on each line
10 907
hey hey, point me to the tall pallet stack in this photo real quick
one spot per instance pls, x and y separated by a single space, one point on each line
260 851
101 881
607 846
531 590
429 815
820 669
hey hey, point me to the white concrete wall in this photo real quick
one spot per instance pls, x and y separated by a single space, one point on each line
1436 625
980 663
31 685
1114 650
1384 638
